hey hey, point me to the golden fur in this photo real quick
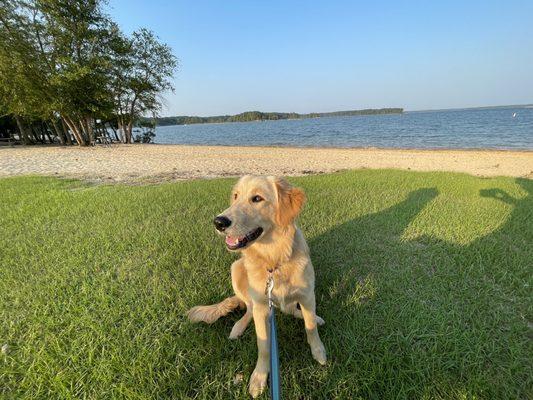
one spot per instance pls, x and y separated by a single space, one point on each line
281 247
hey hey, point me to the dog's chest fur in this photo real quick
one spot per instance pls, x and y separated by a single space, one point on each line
289 259
291 281
284 292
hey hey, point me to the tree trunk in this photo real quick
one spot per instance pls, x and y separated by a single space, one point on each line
70 128
47 130
131 117
129 128
114 132
89 126
66 131
122 131
82 128
76 131
23 133
35 133
40 132
59 132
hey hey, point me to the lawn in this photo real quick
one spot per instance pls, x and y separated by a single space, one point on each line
424 280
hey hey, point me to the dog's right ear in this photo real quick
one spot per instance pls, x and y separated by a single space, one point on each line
290 201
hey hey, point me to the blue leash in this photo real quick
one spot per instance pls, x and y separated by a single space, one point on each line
275 387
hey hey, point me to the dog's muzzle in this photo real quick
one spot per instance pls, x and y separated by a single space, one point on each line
235 243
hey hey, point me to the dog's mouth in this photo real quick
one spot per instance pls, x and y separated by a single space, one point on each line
235 243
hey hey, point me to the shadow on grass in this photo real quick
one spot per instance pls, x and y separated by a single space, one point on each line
423 318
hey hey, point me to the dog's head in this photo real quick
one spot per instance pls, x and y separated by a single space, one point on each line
258 206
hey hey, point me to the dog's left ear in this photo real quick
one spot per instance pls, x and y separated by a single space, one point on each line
290 201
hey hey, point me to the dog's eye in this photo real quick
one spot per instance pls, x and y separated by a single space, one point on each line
257 199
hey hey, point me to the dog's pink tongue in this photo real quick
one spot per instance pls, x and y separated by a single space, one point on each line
232 241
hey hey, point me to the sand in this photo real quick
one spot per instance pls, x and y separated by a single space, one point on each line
154 163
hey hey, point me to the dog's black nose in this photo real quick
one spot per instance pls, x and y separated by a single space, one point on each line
221 223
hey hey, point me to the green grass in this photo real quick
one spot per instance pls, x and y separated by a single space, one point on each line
424 280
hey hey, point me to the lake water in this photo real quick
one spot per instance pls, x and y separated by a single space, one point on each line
494 128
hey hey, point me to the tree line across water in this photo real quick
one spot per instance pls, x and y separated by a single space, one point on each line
69 74
268 116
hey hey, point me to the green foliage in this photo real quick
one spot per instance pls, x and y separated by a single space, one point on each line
271 116
67 59
24 76
423 279
142 70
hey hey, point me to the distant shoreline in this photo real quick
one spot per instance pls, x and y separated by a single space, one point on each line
251 116
471 108
368 111
153 163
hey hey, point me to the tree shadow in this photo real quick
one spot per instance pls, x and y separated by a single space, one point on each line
424 318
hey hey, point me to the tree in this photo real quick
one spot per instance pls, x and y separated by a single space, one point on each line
143 69
81 35
23 77
66 62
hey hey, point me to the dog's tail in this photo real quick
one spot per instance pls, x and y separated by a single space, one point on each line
210 314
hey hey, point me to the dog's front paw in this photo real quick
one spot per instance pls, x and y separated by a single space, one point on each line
258 382
239 327
237 330
319 353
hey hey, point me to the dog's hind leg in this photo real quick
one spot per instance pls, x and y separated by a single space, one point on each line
239 281
295 310
210 314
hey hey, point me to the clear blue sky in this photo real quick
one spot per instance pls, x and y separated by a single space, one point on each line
306 56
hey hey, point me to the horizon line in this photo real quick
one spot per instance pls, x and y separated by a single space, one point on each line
357 109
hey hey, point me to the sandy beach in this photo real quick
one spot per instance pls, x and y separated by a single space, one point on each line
155 163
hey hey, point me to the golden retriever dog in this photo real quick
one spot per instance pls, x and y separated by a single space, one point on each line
260 224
